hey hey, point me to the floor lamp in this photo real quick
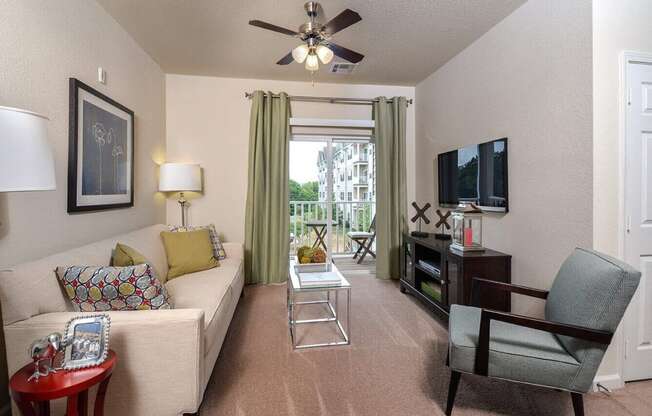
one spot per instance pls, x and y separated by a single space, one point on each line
180 177
26 159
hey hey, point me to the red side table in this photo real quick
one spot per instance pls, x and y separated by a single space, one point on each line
33 397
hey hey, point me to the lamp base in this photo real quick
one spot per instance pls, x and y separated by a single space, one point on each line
182 203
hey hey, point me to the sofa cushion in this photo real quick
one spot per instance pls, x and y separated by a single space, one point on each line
209 290
515 352
102 288
32 288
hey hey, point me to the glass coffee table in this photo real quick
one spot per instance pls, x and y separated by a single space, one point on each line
331 292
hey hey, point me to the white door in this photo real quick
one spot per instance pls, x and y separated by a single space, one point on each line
638 211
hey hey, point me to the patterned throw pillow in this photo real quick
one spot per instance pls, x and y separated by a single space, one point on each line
104 288
218 249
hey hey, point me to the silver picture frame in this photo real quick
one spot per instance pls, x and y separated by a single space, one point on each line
86 341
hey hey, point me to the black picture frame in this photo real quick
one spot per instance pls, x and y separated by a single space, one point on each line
83 197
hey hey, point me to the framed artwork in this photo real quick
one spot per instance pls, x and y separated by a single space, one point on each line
100 152
86 341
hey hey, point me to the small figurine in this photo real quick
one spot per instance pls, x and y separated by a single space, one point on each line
441 224
43 352
421 217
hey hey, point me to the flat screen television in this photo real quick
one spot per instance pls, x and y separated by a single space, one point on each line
477 174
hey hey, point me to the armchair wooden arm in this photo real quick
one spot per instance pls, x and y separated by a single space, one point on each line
482 353
478 282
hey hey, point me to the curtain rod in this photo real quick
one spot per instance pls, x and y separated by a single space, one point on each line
332 100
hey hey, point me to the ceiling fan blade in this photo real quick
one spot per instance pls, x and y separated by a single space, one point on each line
269 26
287 59
343 20
342 52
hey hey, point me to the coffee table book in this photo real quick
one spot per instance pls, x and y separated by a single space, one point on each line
317 275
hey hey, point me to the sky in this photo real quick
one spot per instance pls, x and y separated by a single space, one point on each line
303 160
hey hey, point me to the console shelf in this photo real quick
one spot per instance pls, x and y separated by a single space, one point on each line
456 270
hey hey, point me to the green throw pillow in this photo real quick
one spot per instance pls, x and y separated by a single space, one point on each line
123 256
188 252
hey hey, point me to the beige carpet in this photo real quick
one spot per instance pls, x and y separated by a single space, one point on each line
395 366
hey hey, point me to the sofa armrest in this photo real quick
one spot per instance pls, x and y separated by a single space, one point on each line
160 357
234 250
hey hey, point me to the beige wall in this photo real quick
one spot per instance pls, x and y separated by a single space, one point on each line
528 79
42 44
618 25
208 123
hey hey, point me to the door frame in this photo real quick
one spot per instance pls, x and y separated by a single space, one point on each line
626 58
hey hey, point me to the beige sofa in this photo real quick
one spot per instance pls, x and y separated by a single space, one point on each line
165 357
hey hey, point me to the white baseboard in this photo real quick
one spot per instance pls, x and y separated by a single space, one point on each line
5 410
610 381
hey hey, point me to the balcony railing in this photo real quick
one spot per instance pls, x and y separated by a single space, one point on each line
361 180
362 158
347 216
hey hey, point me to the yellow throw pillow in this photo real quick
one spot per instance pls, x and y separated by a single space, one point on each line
188 252
123 256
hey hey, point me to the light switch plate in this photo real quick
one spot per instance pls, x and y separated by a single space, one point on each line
101 75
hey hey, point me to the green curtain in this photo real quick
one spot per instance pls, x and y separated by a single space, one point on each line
391 200
267 219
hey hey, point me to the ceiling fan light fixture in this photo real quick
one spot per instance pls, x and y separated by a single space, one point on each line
300 53
316 46
312 63
325 55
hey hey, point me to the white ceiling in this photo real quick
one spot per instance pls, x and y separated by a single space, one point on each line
403 40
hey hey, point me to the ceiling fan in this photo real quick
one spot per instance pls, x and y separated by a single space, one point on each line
316 44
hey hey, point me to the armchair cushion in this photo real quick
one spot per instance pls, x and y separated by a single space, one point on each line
515 352
591 290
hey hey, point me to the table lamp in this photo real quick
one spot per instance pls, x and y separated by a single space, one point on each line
180 177
26 159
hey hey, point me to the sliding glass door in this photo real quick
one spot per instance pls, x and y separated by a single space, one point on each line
332 192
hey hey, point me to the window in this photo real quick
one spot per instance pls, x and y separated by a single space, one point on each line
350 196
364 196
341 196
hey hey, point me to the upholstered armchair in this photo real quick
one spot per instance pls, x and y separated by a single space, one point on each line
584 306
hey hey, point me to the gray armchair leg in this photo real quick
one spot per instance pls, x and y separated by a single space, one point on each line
578 404
452 391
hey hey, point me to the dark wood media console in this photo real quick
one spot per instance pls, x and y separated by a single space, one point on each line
447 276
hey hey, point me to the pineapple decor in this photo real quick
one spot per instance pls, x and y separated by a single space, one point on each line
307 255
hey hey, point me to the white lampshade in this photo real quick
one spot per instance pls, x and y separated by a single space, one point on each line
26 159
312 63
325 54
179 177
300 52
